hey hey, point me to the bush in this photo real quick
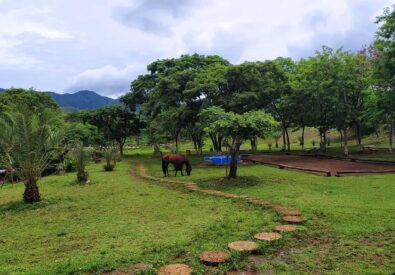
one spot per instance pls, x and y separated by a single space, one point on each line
69 166
81 156
111 156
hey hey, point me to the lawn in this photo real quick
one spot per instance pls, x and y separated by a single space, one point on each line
116 222
351 221
119 221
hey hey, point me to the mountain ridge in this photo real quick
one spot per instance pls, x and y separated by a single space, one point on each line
80 100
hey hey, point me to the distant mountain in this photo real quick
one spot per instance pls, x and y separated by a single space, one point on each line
82 100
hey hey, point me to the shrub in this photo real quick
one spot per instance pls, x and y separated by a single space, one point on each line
81 156
69 166
111 157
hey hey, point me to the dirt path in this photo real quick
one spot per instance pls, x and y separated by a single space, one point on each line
289 216
284 211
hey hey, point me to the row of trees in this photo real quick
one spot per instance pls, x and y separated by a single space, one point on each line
333 89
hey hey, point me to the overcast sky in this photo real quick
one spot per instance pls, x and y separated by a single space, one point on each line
102 45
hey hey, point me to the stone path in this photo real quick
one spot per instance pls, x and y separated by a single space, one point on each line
290 216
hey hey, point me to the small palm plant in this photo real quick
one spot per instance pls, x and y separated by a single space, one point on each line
31 141
111 156
81 157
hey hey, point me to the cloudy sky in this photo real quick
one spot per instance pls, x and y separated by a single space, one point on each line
101 45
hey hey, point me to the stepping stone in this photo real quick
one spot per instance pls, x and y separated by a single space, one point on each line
243 246
289 212
214 257
175 269
285 228
264 236
293 219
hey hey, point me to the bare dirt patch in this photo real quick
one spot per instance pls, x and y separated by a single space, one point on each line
323 165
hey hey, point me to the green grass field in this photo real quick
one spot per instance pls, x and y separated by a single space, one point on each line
118 221
351 220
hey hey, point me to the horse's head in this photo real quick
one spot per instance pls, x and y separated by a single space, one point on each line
188 167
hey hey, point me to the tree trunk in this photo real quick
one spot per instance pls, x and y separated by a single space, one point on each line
288 143
324 147
341 137
177 141
233 163
213 141
284 142
345 141
390 133
358 133
121 149
254 141
217 142
31 193
302 141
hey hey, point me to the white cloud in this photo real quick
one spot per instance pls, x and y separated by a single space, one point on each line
102 45
107 80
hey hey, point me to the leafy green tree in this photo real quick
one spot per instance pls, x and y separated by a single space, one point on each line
31 142
164 91
237 128
241 88
383 52
32 100
351 85
314 83
117 123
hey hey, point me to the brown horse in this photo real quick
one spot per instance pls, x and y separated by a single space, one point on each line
178 161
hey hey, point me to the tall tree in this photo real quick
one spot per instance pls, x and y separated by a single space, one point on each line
117 123
315 83
164 90
384 69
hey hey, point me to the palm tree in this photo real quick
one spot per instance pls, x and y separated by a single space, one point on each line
30 141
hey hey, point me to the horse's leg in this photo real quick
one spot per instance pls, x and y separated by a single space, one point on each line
164 167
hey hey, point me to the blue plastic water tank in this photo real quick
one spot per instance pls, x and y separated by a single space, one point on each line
221 159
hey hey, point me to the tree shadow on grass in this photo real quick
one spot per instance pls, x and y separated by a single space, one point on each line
21 206
224 183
